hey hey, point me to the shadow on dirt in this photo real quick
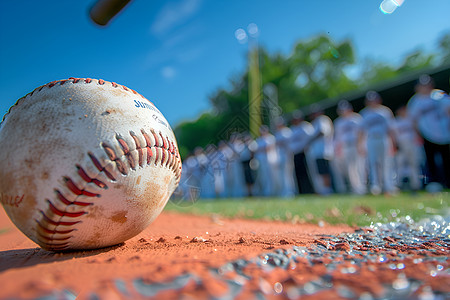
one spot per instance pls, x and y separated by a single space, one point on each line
21 258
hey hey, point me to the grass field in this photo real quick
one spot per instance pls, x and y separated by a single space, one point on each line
335 209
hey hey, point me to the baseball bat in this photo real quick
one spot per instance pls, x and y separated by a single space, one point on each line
104 10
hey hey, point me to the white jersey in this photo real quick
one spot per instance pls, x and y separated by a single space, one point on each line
300 137
247 151
322 147
266 148
387 113
376 122
346 129
405 132
432 118
283 138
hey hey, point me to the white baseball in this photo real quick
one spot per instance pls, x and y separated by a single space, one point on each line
85 163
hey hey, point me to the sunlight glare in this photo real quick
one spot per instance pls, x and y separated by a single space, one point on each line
389 6
252 29
240 35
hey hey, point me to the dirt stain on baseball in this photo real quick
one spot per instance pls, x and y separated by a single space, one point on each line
118 92
94 239
95 212
110 111
45 175
118 186
119 217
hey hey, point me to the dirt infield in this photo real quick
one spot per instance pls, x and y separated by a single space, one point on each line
209 257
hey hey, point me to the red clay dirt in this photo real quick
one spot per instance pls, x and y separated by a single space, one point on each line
177 244
173 244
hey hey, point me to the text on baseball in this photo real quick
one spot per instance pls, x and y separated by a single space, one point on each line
10 200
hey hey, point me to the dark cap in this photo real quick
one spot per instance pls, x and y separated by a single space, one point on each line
372 96
344 105
425 79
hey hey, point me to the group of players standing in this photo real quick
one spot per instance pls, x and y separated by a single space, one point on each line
367 152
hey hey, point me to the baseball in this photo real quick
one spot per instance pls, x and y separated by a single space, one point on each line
85 164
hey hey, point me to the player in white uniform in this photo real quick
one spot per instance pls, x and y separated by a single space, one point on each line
301 135
204 173
320 152
220 160
349 162
267 158
285 159
236 172
431 118
189 186
409 146
377 131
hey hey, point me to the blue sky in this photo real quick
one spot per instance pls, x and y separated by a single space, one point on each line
177 53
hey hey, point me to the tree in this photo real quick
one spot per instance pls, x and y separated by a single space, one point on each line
444 47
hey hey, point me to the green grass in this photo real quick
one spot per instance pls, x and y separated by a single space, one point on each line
335 209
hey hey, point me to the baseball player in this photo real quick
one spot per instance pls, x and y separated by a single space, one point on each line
349 162
409 146
188 182
285 159
246 156
377 131
220 160
320 151
267 158
236 172
205 174
431 118
301 135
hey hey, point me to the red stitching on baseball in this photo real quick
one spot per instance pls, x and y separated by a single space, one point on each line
54 231
163 140
123 144
139 149
51 239
77 191
148 146
112 156
55 246
100 167
156 138
51 84
64 213
67 202
74 81
52 246
88 179
57 223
